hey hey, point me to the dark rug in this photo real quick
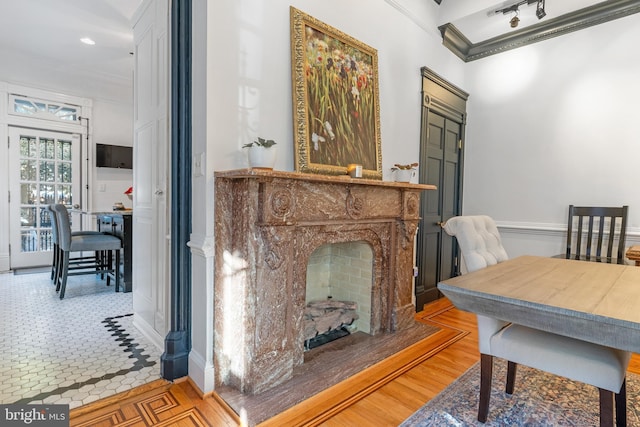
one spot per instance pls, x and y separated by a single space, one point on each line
539 399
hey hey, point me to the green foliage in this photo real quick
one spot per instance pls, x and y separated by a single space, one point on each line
341 103
404 167
261 142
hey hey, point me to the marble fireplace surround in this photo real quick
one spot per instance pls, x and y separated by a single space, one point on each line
267 224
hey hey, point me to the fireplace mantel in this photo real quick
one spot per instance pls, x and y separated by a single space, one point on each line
267 224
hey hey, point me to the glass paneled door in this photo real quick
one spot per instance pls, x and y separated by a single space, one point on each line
44 169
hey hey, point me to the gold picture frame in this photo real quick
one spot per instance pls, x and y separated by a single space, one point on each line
336 107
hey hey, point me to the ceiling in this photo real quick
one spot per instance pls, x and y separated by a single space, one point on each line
477 19
473 29
43 36
38 36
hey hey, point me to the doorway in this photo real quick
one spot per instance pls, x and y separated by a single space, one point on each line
43 169
441 156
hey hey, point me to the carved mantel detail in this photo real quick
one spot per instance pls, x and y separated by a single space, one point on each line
267 225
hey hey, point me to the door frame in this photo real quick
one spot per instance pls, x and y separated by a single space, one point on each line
447 100
36 258
9 119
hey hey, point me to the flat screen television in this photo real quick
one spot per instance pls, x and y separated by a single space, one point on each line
114 156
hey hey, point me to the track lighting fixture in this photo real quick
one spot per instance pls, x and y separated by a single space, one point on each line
515 20
540 12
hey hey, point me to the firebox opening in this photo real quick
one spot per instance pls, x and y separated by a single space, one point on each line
339 279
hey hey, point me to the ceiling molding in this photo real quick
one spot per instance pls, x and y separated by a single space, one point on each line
597 14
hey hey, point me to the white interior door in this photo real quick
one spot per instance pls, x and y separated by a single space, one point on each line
151 218
44 168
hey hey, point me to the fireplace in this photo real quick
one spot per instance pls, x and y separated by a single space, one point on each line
267 226
342 272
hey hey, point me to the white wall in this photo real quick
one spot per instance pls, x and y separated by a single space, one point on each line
250 73
112 124
248 93
553 124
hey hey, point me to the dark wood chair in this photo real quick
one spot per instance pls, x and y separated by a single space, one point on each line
595 232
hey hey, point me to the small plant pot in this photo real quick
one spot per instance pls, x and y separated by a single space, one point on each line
404 175
262 157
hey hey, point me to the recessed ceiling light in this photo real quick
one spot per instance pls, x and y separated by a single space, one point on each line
87 40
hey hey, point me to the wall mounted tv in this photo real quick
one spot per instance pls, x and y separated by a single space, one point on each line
114 156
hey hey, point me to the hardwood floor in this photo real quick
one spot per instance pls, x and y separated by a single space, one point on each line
379 397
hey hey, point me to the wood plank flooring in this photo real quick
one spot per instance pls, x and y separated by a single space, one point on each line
385 395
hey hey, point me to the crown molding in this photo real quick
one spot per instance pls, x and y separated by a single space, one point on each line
455 41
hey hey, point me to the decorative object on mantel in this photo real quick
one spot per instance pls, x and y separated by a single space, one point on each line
336 109
404 173
262 154
354 170
129 193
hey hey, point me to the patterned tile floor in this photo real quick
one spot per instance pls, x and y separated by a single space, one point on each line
72 351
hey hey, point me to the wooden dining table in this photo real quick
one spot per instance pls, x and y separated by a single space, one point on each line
591 301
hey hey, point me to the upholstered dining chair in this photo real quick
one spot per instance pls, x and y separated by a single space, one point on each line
75 262
94 242
593 232
603 367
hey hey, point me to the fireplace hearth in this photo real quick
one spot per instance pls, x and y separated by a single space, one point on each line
267 226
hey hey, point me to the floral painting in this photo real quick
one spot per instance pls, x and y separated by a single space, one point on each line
335 94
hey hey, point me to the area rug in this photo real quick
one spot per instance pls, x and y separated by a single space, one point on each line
539 399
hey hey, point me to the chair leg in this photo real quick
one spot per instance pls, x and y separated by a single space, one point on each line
62 284
486 371
108 267
116 271
54 261
58 261
621 405
511 376
606 408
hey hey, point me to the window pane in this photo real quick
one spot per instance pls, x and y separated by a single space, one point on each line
28 170
64 172
27 217
47 195
24 107
46 242
28 146
28 194
47 171
64 148
29 241
45 218
67 114
46 149
64 194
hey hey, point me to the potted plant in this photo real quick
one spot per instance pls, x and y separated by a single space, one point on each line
262 154
404 173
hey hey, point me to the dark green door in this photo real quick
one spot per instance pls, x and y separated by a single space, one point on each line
442 134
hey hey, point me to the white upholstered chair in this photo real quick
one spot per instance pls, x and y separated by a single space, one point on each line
603 367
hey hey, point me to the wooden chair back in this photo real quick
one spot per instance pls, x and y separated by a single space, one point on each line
594 232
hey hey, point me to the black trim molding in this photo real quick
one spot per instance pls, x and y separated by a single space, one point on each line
599 13
175 359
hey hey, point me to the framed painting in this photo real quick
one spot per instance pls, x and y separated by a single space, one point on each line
336 110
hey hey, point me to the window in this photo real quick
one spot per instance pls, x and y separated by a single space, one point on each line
47 110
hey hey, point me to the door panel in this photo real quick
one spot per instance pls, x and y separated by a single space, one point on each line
44 169
436 250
